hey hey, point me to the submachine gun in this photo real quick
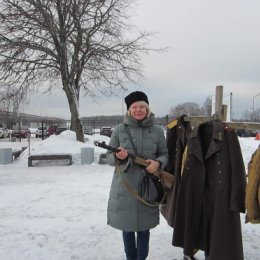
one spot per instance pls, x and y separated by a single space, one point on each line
166 177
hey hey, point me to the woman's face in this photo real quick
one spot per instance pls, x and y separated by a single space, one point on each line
138 110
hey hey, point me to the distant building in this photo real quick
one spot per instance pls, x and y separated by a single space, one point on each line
97 122
12 120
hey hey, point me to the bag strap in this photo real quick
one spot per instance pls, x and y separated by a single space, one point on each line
130 138
133 191
137 196
126 183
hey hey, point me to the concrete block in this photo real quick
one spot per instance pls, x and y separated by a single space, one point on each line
87 155
6 156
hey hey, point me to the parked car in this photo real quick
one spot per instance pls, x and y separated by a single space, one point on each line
51 130
60 130
245 133
41 131
4 132
7 132
96 131
106 130
1 132
20 132
33 130
88 130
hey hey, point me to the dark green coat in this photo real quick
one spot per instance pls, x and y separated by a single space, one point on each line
125 212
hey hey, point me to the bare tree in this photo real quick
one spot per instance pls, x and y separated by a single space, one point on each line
206 108
12 99
188 108
256 115
253 116
247 116
81 44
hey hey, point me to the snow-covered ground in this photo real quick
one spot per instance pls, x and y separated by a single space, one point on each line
59 212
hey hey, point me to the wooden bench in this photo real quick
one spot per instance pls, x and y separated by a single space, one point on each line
49 157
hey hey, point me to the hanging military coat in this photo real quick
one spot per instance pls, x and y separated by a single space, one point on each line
212 195
178 133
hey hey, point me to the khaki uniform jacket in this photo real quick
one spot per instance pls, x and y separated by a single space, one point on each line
253 188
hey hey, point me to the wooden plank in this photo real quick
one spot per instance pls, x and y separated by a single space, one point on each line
195 120
244 125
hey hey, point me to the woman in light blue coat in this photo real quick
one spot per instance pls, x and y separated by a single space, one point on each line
125 211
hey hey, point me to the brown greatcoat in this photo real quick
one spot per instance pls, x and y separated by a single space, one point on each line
178 134
211 195
253 188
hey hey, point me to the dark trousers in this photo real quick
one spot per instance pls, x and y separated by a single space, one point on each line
136 247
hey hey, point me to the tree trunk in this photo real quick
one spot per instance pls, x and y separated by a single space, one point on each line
76 123
73 101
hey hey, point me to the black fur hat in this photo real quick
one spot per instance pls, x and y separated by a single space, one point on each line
135 96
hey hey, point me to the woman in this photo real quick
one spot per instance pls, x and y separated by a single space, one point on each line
125 211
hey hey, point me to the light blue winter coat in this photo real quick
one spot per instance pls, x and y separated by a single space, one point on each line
125 212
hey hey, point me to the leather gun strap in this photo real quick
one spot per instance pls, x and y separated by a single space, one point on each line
136 195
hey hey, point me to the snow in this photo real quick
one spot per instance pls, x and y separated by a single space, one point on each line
58 212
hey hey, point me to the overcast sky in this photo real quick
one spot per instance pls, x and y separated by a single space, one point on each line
209 43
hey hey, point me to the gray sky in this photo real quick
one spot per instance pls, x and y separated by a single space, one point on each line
210 43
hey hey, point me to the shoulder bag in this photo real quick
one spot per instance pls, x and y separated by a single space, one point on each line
151 190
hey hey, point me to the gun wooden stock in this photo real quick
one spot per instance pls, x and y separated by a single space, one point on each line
167 177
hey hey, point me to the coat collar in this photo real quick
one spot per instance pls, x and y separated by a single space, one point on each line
214 147
183 130
147 122
218 130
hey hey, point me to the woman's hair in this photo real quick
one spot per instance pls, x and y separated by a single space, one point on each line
149 112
